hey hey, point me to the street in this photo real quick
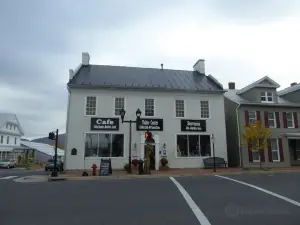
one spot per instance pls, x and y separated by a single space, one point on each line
15 173
206 200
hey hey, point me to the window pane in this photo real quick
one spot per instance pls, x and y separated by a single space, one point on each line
204 107
91 142
289 116
119 104
205 145
252 117
149 107
90 106
182 143
271 123
274 144
117 145
255 155
179 107
271 116
275 155
290 123
104 145
269 94
193 145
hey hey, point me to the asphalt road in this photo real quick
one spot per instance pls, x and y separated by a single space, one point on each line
10 174
187 200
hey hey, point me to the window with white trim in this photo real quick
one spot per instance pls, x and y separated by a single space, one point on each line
204 107
193 145
1 141
15 140
266 97
149 107
290 120
7 140
91 106
271 119
252 117
297 146
119 104
255 155
275 150
104 145
179 107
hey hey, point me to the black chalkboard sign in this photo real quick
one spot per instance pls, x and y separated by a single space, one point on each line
105 167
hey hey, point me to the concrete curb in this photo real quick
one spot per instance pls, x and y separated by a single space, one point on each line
31 179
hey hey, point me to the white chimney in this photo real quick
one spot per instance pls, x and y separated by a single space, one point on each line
199 66
85 58
71 73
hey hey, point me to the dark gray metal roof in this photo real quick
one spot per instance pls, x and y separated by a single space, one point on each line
142 78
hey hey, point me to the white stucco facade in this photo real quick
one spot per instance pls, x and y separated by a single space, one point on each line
78 125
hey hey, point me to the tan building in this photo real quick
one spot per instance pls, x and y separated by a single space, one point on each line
279 111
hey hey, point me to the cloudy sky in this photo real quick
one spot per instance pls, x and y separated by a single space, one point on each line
241 41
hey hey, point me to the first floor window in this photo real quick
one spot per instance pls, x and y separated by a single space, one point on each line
255 155
104 145
275 150
193 145
91 105
297 149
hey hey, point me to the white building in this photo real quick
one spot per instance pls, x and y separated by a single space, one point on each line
10 135
184 109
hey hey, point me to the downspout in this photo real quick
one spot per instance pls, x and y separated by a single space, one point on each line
238 133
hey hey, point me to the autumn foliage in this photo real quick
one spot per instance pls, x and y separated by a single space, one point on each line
256 136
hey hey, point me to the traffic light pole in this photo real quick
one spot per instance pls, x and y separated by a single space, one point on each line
53 136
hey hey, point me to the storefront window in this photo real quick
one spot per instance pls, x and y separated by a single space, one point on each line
193 145
104 145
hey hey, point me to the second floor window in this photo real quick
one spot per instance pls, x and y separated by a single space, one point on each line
179 107
7 140
290 120
15 140
119 104
266 97
149 107
204 109
252 117
271 120
91 106
1 139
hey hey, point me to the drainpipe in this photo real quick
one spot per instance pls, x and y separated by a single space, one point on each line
238 133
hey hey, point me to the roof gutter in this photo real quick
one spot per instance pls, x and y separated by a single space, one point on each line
145 88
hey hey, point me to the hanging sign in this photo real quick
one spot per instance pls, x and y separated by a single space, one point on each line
150 124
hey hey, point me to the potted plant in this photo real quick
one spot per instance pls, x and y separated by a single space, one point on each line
135 162
126 167
164 161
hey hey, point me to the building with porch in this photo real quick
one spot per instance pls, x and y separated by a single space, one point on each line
278 111
184 110
10 135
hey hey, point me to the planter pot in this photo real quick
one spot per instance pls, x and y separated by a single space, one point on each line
163 168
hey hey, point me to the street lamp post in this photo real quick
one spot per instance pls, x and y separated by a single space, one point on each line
54 136
213 148
138 115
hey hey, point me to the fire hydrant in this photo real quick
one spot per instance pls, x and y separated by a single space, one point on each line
94 167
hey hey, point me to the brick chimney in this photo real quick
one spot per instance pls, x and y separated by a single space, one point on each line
231 85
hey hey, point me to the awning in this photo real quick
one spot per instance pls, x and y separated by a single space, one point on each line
3 149
292 135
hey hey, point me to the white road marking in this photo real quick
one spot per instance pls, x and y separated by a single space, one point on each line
263 190
8 177
198 213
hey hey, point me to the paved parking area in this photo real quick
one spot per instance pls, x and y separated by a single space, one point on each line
206 200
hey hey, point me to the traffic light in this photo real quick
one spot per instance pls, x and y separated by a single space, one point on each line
51 136
148 135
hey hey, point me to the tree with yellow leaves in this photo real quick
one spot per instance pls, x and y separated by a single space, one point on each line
256 137
148 149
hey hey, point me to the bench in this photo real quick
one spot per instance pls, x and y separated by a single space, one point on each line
209 163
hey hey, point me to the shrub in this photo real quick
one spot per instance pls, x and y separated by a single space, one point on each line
126 167
164 161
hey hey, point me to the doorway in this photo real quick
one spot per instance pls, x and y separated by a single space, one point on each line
294 147
152 153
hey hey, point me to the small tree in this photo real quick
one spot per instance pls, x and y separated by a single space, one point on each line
256 137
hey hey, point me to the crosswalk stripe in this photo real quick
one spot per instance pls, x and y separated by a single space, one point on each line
8 177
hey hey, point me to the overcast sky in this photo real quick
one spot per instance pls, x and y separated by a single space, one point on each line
240 40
